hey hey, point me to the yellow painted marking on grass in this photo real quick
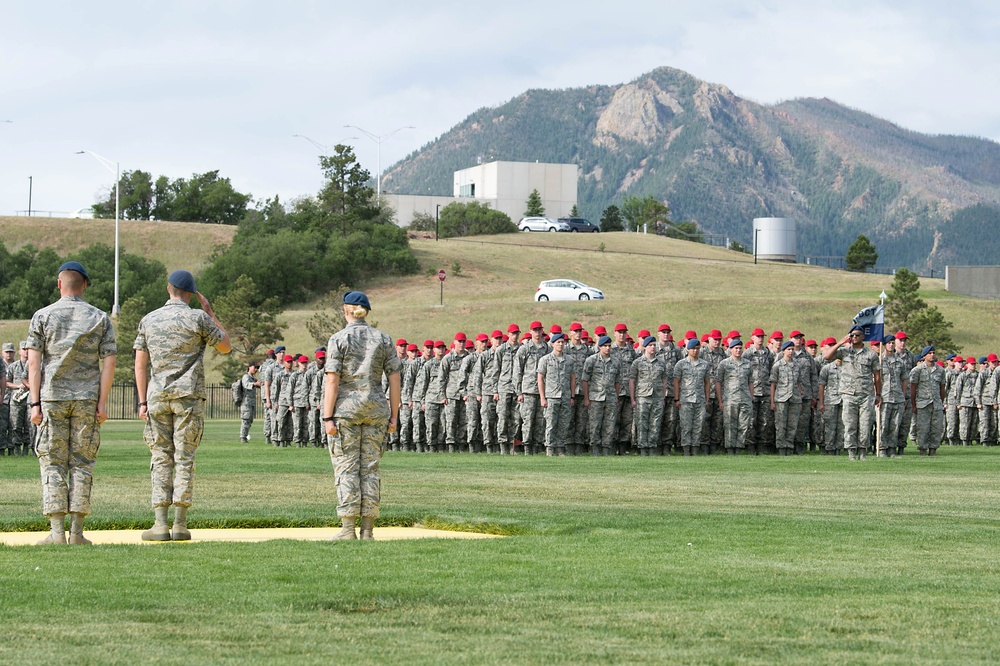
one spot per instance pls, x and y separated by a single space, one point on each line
248 535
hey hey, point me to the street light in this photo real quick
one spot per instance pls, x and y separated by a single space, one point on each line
378 139
324 147
117 171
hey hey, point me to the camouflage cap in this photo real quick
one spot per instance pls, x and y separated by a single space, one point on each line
8 346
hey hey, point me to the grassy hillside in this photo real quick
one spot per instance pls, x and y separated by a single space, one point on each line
177 244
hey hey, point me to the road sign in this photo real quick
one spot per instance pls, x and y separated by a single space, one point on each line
441 275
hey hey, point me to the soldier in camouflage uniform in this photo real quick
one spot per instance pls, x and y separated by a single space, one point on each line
906 425
807 376
282 385
966 390
786 401
473 398
5 360
761 359
625 353
300 403
692 393
895 389
429 392
317 434
578 424
647 388
68 389
734 381
927 393
986 389
602 378
556 378
860 389
816 427
711 433
172 341
489 388
266 370
248 405
408 377
356 413
17 384
830 403
951 375
669 353
419 417
507 391
454 409
525 378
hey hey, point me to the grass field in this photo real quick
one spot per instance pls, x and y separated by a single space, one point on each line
610 560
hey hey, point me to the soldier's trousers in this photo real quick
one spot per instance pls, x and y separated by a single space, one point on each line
833 427
737 424
578 425
19 426
786 423
690 423
763 424
624 419
173 432
488 422
419 427
68 440
454 419
268 423
951 423
405 427
890 417
4 427
648 421
317 433
906 427
507 407
816 427
433 417
804 426
967 424
532 421
668 429
281 427
248 411
601 421
473 423
711 434
929 424
300 425
988 425
356 452
558 414
858 416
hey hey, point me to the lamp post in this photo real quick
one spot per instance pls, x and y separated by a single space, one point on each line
324 147
378 139
117 171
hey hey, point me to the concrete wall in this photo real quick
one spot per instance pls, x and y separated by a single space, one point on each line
978 281
506 185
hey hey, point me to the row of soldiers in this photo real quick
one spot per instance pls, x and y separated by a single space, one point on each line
16 430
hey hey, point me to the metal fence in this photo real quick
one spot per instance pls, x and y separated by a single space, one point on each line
123 402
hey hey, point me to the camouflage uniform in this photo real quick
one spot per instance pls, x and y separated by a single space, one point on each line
282 389
929 420
735 378
267 369
711 433
986 389
816 426
71 336
317 434
951 376
300 407
578 424
407 379
473 373
907 428
625 416
762 435
558 373
507 391
489 374
20 428
417 415
893 403
689 378
4 410
600 376
807 377
175 337
967 415
786 380
248 405
525 378
429 391
454 411
650 377
857 391
669 354
833 427
360 355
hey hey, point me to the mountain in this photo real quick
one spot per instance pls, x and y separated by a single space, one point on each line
720 160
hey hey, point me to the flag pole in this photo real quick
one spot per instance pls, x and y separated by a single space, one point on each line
881 353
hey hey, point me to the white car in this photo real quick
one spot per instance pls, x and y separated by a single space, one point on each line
541 224
567 290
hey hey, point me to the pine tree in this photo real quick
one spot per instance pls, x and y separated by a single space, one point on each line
861 255
534 204
904 299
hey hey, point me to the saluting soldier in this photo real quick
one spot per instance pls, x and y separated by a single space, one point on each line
647 388
927 393
734 381
357 414
601 378
692 393
171 344
860 389
71 364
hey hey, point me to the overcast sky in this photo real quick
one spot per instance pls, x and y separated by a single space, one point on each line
176 88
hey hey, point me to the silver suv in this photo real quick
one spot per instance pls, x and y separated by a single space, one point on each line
541 224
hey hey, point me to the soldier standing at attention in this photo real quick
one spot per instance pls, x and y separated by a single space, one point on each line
906 427
625 353
786 389
602 376
507 391
713 354
17 384
408 378
265 377
300 403
647 387
761 359
68 388
317 435
556 379
951 375
927 392
454 409
669 354
895 389
734 381
429 392
356 413
490 362
967 415
692 394
579 351
472 370
807 371
171 341
526 381
248 405
860 389
830 403
6 359
986 390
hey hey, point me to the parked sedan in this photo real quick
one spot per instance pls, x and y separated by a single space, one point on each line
580 224
541 224
566 290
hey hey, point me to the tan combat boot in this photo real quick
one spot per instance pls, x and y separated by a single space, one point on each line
346 532
57 535
159 531
76 537
180 531
367 528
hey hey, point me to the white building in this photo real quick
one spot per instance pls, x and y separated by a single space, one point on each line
505 186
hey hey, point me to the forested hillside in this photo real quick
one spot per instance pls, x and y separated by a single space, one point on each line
720 160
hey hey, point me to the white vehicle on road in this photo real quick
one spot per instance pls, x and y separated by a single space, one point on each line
541 224
567 290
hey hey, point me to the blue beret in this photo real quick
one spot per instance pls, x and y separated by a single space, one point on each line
182 280
949 357
889 338
320 349
786 345
75 266
357 298
603 340
925 351
982 359
692 343
557 337
856 327
279 349
735 342
648 340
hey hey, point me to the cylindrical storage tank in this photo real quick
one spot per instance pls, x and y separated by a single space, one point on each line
774 239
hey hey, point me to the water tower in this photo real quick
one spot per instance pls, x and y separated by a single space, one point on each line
774 239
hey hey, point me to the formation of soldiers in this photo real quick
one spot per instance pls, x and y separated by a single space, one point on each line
292 394
16 430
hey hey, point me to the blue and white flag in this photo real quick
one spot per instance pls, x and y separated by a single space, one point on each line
873 321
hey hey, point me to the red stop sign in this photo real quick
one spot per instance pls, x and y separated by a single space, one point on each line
441 275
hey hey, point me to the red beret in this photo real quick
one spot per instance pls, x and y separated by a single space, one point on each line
901 335
620 327
482 337
810 343
460 336
576 326
439 343
643 334
556 328
469 344
797 334
513 328
497 334
600 330
690 334
428 343
410 347
758 331
715 334
664 327
287 358
535 324
322 354
777 335
401 342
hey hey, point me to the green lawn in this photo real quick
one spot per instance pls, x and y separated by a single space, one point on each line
611 560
